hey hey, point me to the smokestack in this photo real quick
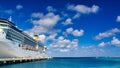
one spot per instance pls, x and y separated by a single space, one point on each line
36 37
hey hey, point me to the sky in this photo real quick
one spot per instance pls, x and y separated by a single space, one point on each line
69 28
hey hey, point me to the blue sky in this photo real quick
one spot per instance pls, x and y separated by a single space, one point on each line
69 28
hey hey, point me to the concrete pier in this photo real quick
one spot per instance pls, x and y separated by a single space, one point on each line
4 61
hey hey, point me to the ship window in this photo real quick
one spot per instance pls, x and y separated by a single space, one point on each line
29 42
4 25
18 37
15 36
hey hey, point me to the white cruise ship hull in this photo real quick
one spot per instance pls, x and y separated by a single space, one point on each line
11 49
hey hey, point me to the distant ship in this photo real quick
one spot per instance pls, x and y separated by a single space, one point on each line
16 43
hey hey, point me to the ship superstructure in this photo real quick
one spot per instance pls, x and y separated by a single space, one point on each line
15 43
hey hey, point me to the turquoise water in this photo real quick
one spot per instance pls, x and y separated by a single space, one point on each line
70 63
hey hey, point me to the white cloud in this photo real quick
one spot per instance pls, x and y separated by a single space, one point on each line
50 9
78 32
75 32
64 45
37 15
18 7
49 20
75 43
37 30
60 38
107 33
68 21
85 51
118 19
94 8
91 51
52 36
77 15
69 30
83 9
64 50
44 24
115 41
42 38
103 44
9 11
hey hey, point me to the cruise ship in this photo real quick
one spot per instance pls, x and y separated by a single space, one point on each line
15 43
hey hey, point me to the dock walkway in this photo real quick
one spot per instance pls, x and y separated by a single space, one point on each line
4 61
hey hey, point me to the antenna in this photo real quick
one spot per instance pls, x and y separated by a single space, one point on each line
10 18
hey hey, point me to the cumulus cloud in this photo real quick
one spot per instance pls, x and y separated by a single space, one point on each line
83 9
68 21
49 20
18 7
103 44
78 32
37 15
94 8
69 30
108 33
75 32
42 38
64 45
44 24
50 9
67 47
52 36
85 51
61 38
118 19
115 41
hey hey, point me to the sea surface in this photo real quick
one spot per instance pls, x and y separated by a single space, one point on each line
90 62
